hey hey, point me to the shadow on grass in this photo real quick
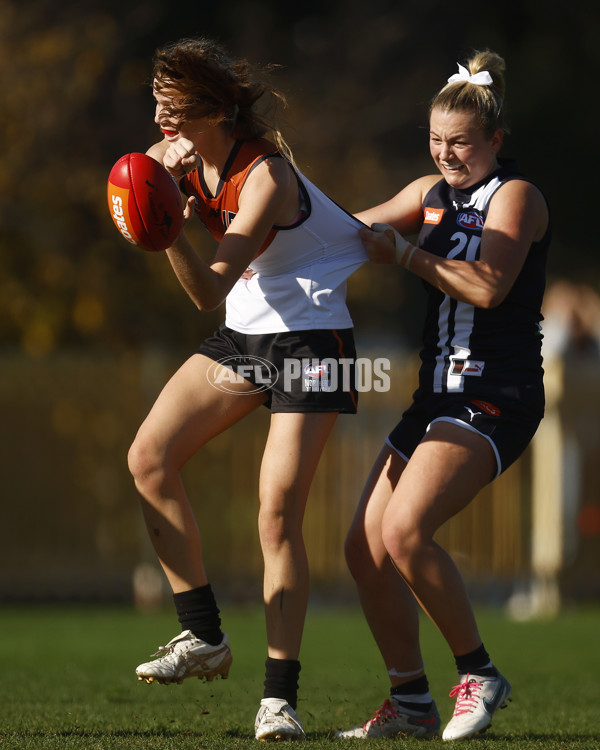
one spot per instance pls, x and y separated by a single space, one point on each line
100 733
585 741
531 739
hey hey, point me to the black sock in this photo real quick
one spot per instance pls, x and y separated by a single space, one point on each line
476 662
197 611
281 680
420 686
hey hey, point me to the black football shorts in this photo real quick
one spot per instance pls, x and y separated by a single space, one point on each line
298 371
508 424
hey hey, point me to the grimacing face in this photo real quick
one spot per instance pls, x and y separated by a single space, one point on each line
460 149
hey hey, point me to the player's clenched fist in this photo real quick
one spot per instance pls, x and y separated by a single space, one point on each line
385 245
180 158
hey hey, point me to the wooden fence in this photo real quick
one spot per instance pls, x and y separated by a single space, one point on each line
71 527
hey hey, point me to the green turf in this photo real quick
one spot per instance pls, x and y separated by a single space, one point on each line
68 681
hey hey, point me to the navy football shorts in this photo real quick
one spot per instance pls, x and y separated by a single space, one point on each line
508 424
298 371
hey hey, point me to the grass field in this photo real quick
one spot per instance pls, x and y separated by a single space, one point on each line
68 682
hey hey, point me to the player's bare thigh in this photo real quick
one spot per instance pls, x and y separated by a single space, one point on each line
365 531
190 411
445 472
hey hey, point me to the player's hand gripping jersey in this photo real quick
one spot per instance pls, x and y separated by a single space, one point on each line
466 348
300 274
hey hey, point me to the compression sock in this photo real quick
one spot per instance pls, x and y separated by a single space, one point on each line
197 611
476 662
281 680
413 695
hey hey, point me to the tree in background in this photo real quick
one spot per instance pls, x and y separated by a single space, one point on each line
75 98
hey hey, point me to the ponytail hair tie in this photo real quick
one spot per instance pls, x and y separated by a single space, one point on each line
483 78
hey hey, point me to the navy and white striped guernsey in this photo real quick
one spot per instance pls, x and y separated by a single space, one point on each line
474 350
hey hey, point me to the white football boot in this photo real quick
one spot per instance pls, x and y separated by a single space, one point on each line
277 720
393 720
187 656
477 699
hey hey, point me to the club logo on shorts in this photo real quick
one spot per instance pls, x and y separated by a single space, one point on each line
317 370
231 373
317 376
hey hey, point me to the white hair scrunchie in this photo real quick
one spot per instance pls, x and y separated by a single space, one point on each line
483 78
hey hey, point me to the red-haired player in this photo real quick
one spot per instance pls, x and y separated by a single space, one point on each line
300 248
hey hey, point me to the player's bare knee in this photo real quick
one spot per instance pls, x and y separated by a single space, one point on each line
146 468
272 532
402 545
135 459
276 527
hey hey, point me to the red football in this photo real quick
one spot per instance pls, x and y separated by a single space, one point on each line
144 202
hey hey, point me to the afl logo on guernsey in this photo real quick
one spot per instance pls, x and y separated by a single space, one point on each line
470 220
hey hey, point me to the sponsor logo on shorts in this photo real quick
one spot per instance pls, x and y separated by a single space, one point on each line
470 220
472 413
432 215
245 375
488 408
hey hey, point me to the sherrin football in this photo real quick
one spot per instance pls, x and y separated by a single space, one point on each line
144 202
